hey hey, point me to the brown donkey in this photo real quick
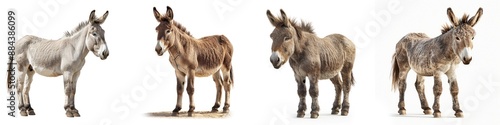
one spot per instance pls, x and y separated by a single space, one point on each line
317 58
192 57
432 57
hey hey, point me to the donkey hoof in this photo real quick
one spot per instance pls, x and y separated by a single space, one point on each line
314 115
402 112
225 111
437 114
69 114
23 113
335 112
427 112
344 113
459 114
175 113
190 114
214 110
300 115
31 112
75 113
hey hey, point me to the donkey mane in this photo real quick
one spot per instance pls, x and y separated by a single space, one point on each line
182 28
463 21
78 28
299 26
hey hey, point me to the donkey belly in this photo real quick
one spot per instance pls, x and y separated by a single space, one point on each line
204 72
48 72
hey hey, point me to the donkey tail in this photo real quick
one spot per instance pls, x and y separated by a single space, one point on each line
395 73
231 76
352 79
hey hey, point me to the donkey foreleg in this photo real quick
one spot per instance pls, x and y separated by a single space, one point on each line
438 89
302 92
181 78
454 93
190 91
74 111
314 93
68 88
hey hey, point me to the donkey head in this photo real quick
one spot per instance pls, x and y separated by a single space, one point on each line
95 40
164 38
284 36
462 34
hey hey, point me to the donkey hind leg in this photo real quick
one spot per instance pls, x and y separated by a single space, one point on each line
438 89
347 79
190 91
402 88
228 83
181 78
26 92
337 82
302 92
454 93
419 85
74 111
22 72
218 85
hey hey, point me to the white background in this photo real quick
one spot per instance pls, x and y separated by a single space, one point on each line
134 81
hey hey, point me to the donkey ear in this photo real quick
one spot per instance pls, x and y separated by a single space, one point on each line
102 18
157 14
285 18
272 18
472 21
170 13
452 17
92 16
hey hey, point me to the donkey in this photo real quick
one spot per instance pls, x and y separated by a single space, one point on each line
316 58
51 58
191 57
433 57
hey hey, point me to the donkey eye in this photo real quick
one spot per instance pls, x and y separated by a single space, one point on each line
94 34
287 38
472 38
457 38
167 31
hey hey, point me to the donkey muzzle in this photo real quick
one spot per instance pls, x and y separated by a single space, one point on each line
275 60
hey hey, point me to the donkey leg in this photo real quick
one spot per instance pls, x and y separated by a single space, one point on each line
227 82
346 88
181 78
20 87
218 86
190 91
402 89
314 93
302 92
68 76
26 92
419 85
338 92
454 93
74 111
437 93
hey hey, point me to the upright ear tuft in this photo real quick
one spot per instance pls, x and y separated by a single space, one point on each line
473 20
157 14
92 16
284 18
452 17
169 13
102 18
272 18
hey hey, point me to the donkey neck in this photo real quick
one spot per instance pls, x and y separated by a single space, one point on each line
445 43
301 44
182 41
78 42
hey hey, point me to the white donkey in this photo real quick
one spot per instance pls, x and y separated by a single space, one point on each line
51 58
